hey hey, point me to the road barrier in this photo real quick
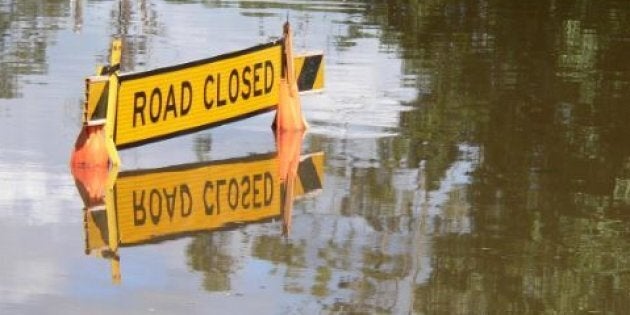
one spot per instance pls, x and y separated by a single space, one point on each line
143 107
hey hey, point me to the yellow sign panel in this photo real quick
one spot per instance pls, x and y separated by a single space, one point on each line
165 102
167 202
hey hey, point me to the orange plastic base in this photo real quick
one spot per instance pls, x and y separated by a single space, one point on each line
289 115
89 165
89 149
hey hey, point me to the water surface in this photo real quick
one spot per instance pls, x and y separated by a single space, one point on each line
476 160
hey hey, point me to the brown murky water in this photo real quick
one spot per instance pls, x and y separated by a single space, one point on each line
476 160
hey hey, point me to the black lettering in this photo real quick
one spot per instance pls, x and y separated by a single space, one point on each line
139 212
268 80
233 194
268 188
246 82
220 102
246 182
155 116
220 182
257 179
185 199
137 108
155 196
170 202
170 103
234 78
257 91
208 206
183 110
208 104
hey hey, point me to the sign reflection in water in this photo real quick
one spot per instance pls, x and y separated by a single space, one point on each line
148 206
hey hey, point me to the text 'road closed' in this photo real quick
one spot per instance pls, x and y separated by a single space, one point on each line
169 101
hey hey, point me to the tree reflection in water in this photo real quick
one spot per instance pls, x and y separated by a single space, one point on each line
506 189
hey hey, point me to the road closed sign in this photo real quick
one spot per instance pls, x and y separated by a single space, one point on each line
169 101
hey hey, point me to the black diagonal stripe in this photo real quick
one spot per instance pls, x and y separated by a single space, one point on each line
309 72
100 112
308 175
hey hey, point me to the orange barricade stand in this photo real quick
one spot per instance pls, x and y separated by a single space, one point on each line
289 115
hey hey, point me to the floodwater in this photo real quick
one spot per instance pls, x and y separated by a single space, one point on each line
474 158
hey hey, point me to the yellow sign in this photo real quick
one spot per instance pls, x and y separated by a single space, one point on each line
161 203
169 101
